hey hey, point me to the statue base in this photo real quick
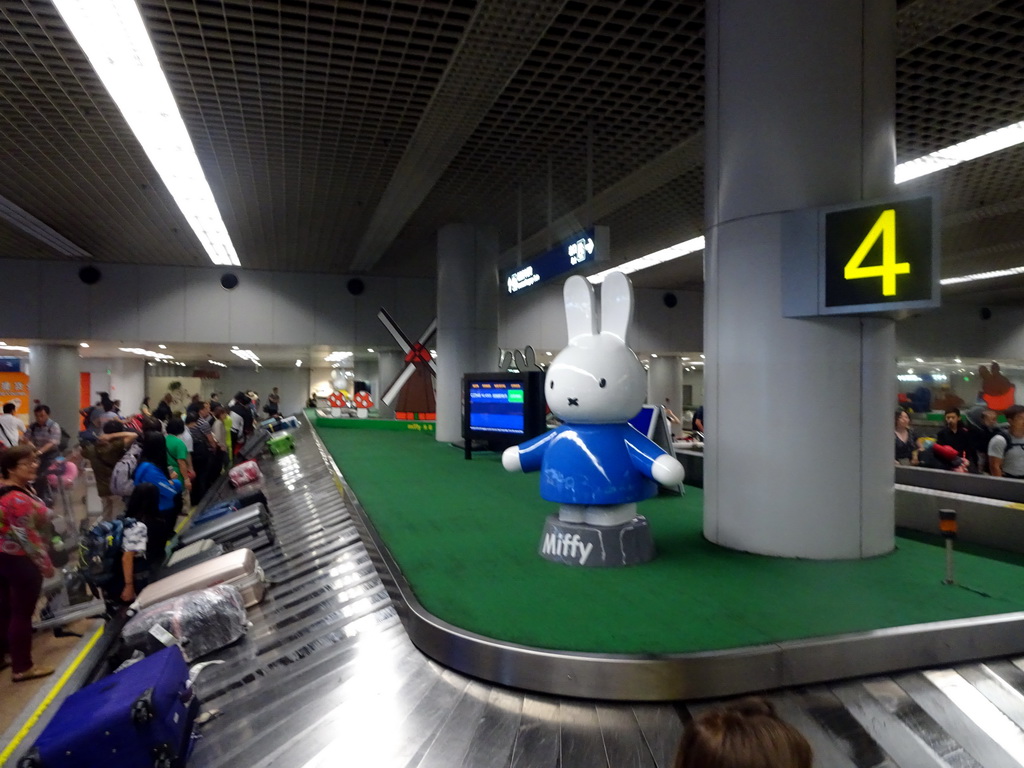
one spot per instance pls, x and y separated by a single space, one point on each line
593 546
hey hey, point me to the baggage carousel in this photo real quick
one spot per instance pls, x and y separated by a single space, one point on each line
328 676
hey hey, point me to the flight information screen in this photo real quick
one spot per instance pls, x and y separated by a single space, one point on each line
497 406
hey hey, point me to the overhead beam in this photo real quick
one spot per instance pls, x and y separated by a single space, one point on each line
917 23
499 38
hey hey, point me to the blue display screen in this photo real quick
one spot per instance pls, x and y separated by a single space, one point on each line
496 406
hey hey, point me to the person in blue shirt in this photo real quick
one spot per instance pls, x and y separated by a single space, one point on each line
152 468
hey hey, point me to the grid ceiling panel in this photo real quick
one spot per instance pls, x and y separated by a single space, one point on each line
301 113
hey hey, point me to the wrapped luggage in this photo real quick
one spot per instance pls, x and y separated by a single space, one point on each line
244 473
199 622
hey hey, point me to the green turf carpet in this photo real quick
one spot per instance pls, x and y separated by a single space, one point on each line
465 534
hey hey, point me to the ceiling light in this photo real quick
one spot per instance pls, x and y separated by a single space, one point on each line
982 276
214 362
146 353
653 355
83 345
161 346
919 359
10 348
115 40
651 259
702 357
369 349
298 363
247 354
971 149
337 357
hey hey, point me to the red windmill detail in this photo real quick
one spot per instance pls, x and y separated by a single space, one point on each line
414 386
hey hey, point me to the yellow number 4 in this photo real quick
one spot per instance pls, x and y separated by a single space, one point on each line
885 228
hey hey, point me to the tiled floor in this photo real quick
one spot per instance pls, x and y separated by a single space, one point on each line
19 700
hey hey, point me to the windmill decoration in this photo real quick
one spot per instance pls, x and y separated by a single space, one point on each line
414 386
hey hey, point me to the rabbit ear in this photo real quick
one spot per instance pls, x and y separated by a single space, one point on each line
531 358
616 305
579 307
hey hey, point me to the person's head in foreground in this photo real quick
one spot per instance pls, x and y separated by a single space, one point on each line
744 734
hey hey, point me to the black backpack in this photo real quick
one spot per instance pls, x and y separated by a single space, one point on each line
100 549
1004 433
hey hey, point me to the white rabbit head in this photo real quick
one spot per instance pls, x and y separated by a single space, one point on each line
596 379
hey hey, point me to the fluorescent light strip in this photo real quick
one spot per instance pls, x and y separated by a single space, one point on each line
651 259
246 354
971 149
146 353
114 38
982 276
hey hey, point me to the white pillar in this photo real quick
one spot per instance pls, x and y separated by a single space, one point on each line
53 381
389 366
798 457
665 383
467 317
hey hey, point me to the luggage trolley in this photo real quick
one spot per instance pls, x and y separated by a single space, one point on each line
68 598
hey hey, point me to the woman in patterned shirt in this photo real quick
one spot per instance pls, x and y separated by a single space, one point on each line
23 559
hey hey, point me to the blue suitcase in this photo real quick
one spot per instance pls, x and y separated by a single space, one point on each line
140 716
277 425
220 509
214 511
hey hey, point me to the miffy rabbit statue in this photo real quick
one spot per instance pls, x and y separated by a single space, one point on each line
595 465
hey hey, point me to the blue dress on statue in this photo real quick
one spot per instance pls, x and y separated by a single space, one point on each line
592 464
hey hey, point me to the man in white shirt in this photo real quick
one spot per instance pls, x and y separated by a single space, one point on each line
1006 450
12 429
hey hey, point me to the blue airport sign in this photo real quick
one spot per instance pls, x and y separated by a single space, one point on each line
588 246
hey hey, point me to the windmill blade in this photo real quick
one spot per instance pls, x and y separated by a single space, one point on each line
395 331
396 387
430 331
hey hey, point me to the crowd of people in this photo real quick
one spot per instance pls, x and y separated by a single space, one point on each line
148 467
973 442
